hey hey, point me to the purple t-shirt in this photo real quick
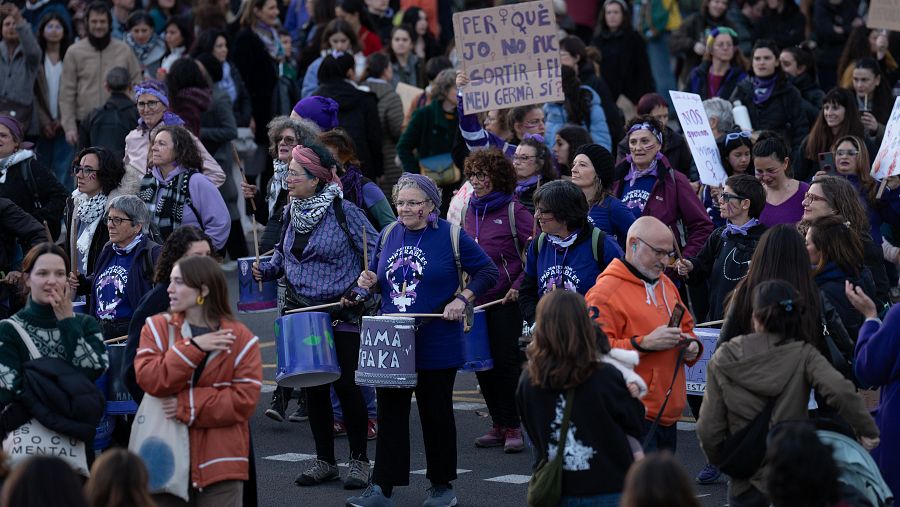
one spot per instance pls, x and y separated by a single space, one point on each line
788 212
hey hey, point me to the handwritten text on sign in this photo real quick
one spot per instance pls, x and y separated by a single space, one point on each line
511 55
699 136
695 376
888 157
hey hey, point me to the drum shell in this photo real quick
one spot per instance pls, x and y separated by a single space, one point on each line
387 352
477 345
118 399
103 434
304 346
250 299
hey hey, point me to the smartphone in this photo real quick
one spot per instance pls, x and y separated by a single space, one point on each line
677 315
826 163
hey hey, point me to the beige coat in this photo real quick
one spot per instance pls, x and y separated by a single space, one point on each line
137 149
748 370
82 87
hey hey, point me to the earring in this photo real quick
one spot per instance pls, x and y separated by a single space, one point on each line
200 300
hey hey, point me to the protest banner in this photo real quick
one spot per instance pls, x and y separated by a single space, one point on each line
884 14
511 55
885 163
699 136
695 376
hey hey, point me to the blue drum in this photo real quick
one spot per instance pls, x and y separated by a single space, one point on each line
79 307
304 346
104 431
478 349
118 399
250 299
387 352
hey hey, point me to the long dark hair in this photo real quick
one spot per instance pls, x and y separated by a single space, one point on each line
780 255
28 484
118 479
777 307
856 48
804 57
199 271
837 243
544 158
575 136
577 99
882 99
658 480
820 136
564 351
67 33
175 247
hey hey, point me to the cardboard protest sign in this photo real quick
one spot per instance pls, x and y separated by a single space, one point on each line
699 136
408 94
885 163
695 376
884 14
511 55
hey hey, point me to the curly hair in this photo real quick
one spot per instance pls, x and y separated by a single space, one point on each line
565 349
495 165
186 153
175 247
305 131
110 170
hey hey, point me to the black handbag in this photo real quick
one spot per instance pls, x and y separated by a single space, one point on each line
745 450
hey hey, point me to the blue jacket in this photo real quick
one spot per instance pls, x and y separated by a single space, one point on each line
140 276
555 118
878 363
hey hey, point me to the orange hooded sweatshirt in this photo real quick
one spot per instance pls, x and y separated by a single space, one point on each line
631 308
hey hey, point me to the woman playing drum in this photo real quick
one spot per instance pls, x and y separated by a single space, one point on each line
416 270
320 256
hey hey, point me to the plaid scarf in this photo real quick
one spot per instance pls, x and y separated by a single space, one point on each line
166 201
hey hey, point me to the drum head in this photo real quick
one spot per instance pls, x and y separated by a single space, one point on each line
307 379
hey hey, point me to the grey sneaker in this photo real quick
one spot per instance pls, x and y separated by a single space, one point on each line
357 474
371 497
319 472
440 496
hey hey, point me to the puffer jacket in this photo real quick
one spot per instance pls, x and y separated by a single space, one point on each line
782 113
217 407
556 117
747 371
390 112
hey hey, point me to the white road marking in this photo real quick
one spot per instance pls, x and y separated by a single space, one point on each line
291 456
423 471
511 479
463 405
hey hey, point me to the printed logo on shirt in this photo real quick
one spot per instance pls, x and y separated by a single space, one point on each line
406 267
577 456
559 277
110 291
636 198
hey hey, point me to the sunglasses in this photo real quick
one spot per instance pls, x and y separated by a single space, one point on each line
737 135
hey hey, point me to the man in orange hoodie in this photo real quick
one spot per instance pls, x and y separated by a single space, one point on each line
635 301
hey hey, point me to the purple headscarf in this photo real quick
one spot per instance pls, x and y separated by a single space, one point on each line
15 129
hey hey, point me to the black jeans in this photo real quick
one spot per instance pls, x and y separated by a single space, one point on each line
664 437
434 397
321 415
498 385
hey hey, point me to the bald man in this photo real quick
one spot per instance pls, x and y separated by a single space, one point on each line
635 301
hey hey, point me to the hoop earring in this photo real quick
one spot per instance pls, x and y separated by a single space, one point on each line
200 300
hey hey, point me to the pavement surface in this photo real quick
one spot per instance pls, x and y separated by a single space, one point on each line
487 477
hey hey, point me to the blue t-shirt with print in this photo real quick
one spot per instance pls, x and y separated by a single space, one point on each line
110 283
417 274
635 196
611 217
572 268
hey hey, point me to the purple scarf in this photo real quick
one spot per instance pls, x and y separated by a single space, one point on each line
352 183
634 173
524 185
763 88
490 202
734 230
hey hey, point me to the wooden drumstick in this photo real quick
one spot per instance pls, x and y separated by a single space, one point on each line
710 323
365 246
256 247
486 305
311 308
416 315
116 339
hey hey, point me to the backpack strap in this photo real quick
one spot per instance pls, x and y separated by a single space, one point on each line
511 218
540 241
189 202
28 177
384 233
29 343
454 242
598 245
462 216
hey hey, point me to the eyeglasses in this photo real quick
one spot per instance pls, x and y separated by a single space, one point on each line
539 212
286 139
409 204
737 135
294 175
117 221
523 158
846 153
478 176
725 196
83 169
659 253
150 104
809 198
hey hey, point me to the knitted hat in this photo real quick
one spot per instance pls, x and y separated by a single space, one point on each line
321 110
15 128
601 159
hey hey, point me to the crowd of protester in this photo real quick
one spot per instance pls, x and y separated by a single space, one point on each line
134 134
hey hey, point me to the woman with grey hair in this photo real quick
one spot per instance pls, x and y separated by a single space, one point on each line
721 119
428 139
418 268
124 269
284 133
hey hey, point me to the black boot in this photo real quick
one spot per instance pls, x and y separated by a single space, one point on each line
280 399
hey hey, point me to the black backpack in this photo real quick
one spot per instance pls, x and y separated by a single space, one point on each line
109 125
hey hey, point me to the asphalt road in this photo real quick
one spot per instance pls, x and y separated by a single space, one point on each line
487 477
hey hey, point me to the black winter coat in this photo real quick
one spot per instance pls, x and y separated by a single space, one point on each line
16 225
43 197
786 28
358 115
812 95
259 73
625 64
782 113
615 120
831 283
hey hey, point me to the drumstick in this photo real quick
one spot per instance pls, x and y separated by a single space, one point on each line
365 246
881 188
237 159
256 247
416 315
710 323
677 248
270 252
311 308
117 339
492 303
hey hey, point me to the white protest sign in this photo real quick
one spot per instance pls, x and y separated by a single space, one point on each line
699 136
511 55
885 163
695 376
